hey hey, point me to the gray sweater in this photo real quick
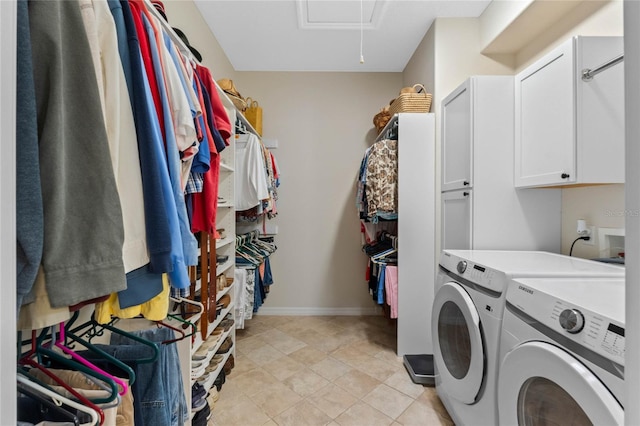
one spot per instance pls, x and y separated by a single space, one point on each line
83 229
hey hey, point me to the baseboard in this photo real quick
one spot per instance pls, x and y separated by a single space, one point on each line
356 311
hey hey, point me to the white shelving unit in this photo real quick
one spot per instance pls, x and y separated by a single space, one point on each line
417 258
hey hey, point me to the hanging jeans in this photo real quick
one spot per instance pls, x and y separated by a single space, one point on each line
158 391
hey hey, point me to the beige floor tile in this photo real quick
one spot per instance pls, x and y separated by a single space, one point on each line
284 367
330 368
293 326
351 356
243 364
229 394
332 400
253 382
419 414
402 382
302 414
288 344
278 399
243 412
430 398
249 344
357 383
388 400
308 355
368 347
264 355
327 328
361 414
270 423
349 322
390 355
330 343
308 336
305 382
378 369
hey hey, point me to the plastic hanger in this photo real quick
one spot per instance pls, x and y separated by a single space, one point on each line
111 359
47 403
38 350
177 339
59 344
96 417
97 329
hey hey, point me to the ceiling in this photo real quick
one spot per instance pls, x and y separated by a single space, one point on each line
325 35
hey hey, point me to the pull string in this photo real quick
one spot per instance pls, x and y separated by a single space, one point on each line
361 25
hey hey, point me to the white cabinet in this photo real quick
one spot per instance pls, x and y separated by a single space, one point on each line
489 212
456 220
569 131
456 129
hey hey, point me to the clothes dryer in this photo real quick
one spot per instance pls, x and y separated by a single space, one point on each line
563 350
467 320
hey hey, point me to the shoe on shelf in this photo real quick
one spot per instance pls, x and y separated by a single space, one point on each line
225 301
202 417
220 380
226 345
213 364
226 324
228 366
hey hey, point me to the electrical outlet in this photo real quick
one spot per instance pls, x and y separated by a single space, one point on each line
592 235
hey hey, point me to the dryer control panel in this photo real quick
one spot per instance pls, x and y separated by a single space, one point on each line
598 333
580 314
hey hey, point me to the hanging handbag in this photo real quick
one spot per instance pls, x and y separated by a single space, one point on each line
253 113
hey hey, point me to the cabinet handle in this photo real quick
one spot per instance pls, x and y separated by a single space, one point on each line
565 175
465 183
466 194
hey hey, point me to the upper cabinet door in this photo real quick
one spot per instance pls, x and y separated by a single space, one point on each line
570 131
545 151
457 124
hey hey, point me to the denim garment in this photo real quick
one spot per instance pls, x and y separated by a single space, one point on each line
158 389
158 392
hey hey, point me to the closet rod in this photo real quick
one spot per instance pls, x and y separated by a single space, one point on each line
384 133
588 73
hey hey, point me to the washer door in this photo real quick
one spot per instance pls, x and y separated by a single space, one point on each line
459 349
542 384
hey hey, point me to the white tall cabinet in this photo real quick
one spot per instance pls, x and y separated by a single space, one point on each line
480 207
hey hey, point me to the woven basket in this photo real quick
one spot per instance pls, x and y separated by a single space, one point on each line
412 102
381 119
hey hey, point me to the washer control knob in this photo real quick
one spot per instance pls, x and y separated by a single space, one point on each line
572 320
462 266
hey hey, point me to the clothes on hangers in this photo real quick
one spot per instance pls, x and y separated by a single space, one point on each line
377 183
156 123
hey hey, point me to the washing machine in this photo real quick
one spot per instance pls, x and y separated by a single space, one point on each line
467 321
563 350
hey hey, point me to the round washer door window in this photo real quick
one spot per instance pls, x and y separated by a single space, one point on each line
543 402
542 384
459 350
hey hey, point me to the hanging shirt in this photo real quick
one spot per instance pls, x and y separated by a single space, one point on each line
83 227
121 130
250 174
148 136
381 189
29 220
182 241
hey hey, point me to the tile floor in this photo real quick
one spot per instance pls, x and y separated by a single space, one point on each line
339 370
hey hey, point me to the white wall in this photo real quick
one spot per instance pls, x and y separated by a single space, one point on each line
184 14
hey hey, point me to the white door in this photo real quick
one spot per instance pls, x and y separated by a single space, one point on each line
459 349
456 138
545 151
542 384
456 220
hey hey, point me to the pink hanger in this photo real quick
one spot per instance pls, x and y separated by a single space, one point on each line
59 344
